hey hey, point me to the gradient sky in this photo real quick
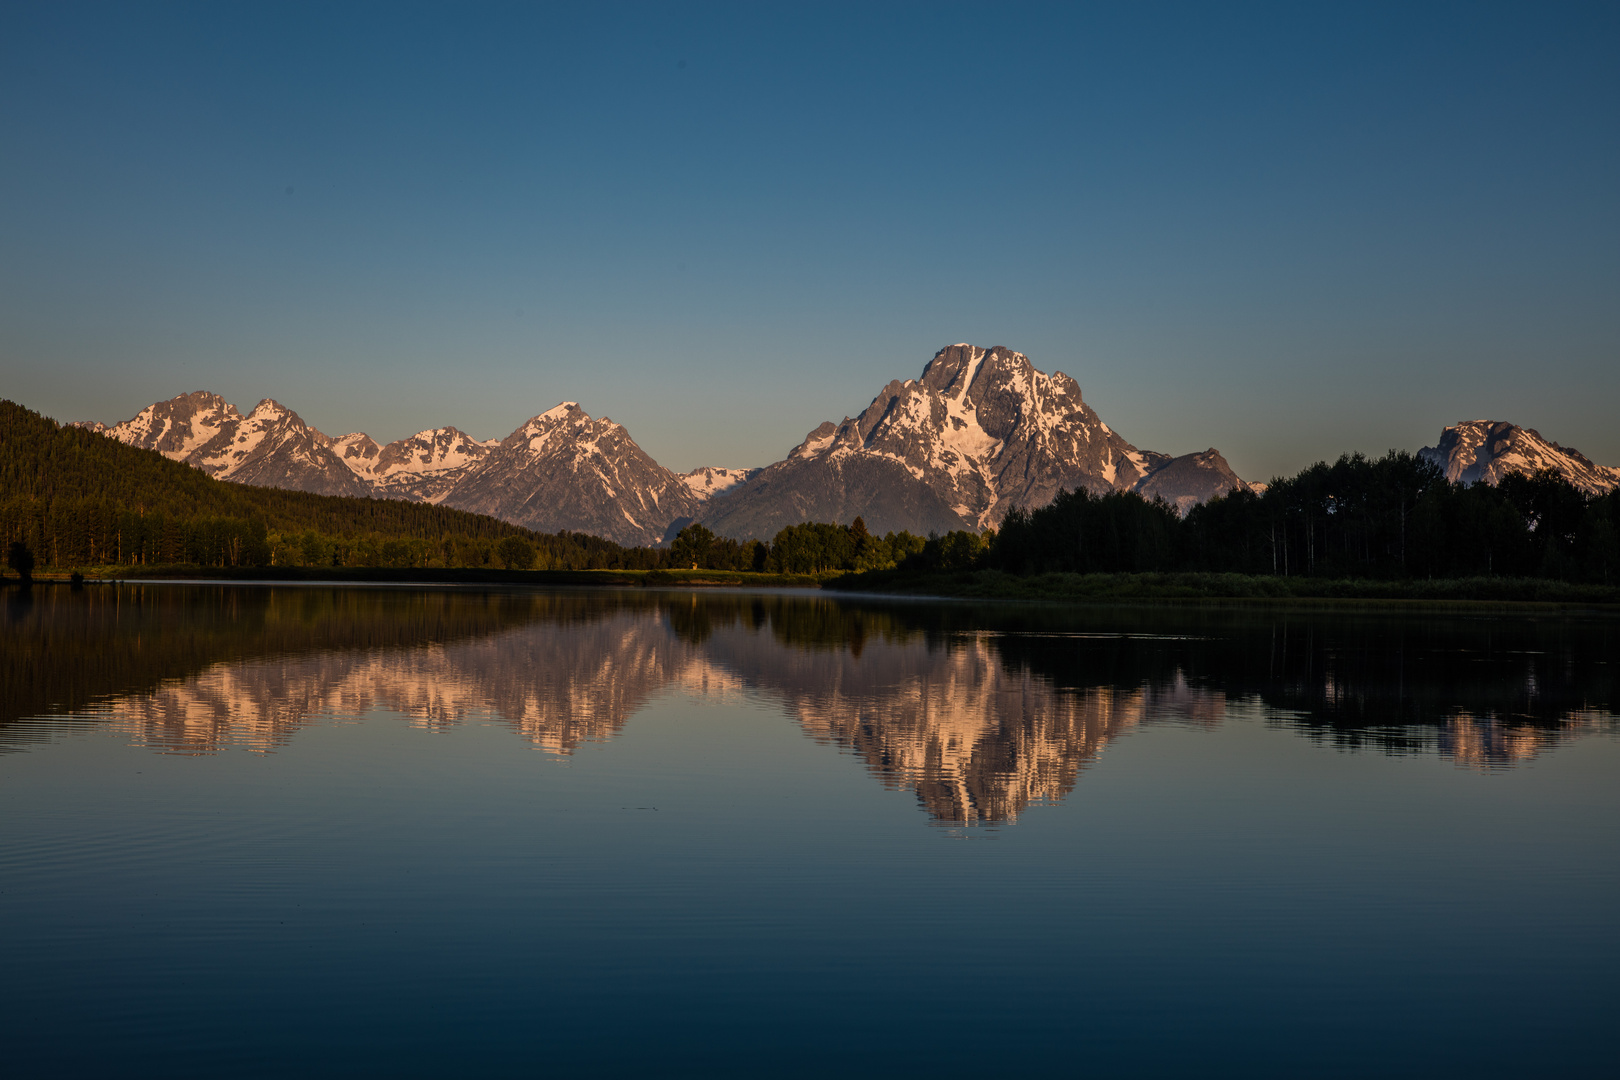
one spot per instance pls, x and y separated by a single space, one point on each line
1285 231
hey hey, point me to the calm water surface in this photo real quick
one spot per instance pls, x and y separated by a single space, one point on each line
266 831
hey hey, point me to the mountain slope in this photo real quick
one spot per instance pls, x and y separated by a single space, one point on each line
560 471
981 431
424 467
1190 479
76 498
269 447
564 470
1488 450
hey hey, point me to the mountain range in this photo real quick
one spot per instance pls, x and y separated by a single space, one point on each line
979 432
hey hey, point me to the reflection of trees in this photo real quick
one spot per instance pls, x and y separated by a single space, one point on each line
978 722
1482 690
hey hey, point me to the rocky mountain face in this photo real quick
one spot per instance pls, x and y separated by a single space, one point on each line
1488 450
563 466
982 431
560 470
269 447
1190 479
425 467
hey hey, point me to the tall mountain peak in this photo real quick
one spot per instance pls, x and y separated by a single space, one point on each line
980 432
563 466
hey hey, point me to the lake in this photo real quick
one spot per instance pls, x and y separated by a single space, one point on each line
265 831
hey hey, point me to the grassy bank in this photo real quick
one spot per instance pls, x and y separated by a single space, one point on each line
447 576
995 585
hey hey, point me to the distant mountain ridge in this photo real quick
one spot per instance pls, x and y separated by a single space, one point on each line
1488 450
270 446
560 470
981 431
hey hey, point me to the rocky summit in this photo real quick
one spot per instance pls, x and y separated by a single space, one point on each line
563 469
1487 450
981 431
560 470
269 447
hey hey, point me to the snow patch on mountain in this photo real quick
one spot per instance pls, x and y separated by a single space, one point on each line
707 481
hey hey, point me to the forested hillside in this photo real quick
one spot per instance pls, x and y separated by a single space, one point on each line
77 498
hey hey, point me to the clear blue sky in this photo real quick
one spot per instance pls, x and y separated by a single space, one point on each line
1285 231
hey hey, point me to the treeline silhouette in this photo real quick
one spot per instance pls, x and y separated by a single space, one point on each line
809 548
1394 517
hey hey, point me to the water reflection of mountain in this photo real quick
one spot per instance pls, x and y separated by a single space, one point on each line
64 652
556 685
976 738
980 712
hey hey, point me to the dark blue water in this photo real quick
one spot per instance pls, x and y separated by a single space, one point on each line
417 833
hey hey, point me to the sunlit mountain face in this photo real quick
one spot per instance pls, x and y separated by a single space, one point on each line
982 713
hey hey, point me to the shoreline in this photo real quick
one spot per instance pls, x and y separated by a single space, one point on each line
360 575
1464 595
1235 590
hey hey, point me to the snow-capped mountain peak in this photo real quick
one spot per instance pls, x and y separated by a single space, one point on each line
981 431
565 465
1487 450
270 446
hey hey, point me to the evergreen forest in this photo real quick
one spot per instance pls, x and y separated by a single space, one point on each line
1396 517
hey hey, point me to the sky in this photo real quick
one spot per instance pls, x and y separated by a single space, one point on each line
1286 231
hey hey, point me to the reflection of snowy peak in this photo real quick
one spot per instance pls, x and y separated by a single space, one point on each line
1488 450
563 469
980 432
